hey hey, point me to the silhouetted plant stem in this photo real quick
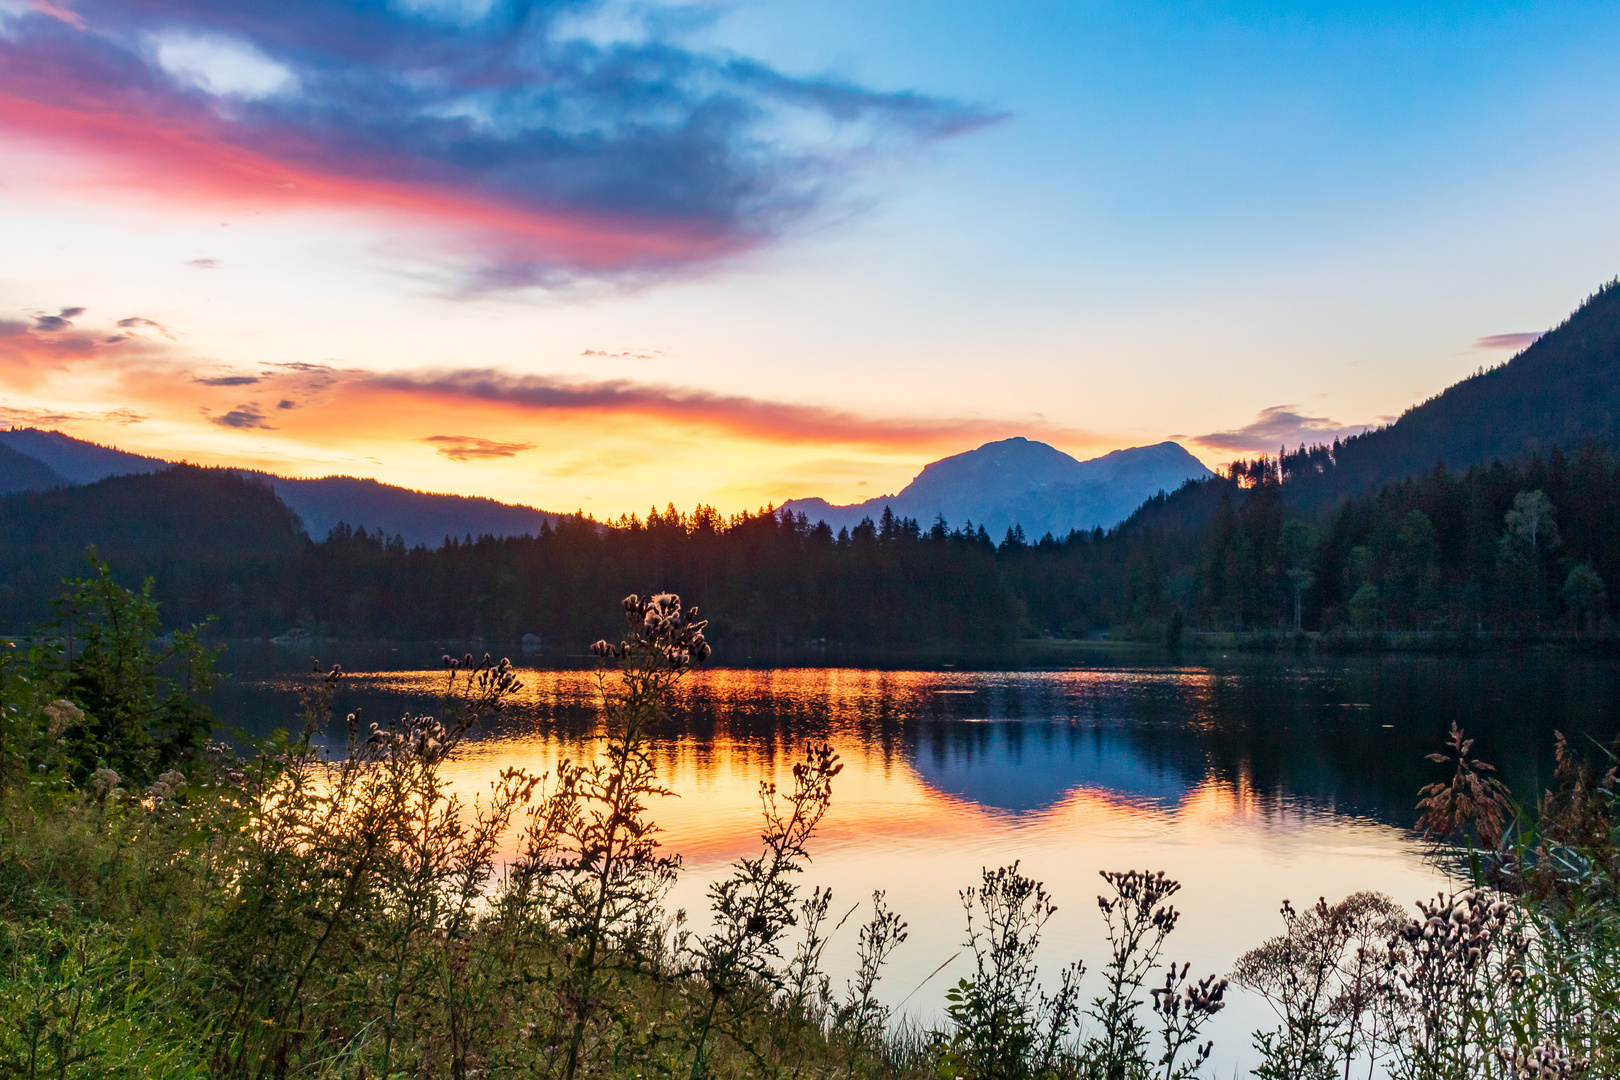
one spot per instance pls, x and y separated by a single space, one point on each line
614 844
755 905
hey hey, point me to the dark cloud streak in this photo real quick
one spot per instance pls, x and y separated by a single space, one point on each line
772 421
243 418
55 324
14 416
469 447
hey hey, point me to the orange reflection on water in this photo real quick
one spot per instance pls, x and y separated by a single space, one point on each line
1068 772
900 791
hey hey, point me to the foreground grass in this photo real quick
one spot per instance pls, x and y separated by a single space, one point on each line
123 952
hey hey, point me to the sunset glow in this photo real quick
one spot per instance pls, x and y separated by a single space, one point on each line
612 256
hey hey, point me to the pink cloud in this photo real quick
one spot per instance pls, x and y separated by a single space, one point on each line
1514 342
531 154
189 159
1280 426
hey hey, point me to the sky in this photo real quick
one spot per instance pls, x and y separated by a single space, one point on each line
611 255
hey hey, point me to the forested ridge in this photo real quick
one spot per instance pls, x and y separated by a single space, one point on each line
1505 547
1561 391
1503 516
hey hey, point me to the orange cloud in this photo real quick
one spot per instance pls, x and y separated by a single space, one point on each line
755 419
52 360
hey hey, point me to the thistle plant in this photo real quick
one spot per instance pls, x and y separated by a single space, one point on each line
806 989
1003 1026
611 874
1328 977
1183 1008
1139 918
861 1018
1462 958
755 907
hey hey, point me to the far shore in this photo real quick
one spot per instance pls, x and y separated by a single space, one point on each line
1202 643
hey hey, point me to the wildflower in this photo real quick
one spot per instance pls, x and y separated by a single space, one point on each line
104 781
166 787
63 714
1544 1062
662 626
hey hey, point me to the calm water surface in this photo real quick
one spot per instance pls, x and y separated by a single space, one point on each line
1247 780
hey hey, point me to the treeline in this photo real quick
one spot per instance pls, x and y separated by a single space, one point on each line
1505 548
771 581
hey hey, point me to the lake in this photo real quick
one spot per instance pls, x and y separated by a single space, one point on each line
1248 779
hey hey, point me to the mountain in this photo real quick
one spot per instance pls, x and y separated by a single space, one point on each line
183 511
1025 483
35 460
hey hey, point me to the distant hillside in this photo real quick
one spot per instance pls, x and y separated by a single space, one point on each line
178 524
19 472
74 460
183 510
1561 391
36 460
419 516
1028 484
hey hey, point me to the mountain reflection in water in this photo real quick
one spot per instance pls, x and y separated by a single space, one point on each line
1024 768
1248 781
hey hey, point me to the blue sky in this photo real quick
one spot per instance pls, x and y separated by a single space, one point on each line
737 253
